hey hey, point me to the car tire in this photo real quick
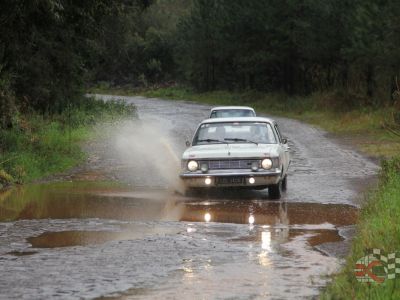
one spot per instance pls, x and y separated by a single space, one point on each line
284 183
275 191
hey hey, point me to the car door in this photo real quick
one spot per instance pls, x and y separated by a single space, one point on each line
284 149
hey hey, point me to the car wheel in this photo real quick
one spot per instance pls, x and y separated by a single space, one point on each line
284 183
275 191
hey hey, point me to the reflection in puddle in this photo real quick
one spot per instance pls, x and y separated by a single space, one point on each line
268 220
84 238
107 201
263 259
78 238
267 212
266 240
68 200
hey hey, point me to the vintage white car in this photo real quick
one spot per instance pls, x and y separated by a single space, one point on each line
237 152
232 112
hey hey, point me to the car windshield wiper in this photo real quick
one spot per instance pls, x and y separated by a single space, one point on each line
241 140
212 140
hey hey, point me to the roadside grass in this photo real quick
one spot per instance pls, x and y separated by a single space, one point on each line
38 146
378 227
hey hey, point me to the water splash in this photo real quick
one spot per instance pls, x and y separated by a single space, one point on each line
148 152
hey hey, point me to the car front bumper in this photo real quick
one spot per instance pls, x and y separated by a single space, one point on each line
261 178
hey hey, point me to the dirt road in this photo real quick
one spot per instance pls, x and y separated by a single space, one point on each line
87 237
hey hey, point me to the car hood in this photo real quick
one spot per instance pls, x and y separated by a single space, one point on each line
231 151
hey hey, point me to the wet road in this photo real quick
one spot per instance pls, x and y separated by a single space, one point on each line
87 237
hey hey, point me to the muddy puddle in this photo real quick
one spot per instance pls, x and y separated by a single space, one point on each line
87 200
85 238
113 240
107 201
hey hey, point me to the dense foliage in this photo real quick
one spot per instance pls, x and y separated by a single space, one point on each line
51 49
293 46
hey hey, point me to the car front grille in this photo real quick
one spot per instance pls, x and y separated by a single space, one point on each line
229 164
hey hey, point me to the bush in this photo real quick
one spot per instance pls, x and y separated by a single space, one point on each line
37 146
8 111
390 168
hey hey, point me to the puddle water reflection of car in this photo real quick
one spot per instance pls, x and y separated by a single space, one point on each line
278 220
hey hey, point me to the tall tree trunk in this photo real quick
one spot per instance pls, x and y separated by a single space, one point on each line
394 89
344 75
213 84
288 77
370 80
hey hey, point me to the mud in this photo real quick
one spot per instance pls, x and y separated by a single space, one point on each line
115 227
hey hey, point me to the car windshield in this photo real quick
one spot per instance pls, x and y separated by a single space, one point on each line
232 113
234 132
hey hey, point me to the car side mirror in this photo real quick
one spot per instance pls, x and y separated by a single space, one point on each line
284 141
187 144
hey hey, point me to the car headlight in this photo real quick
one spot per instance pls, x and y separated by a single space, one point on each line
192 165
266 164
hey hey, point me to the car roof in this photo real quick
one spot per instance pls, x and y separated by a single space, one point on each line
232 107
238 119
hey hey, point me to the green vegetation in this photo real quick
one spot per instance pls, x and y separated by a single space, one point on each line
36 146
296 47
378 227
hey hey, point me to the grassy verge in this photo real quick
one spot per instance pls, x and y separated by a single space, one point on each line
378 227
38 146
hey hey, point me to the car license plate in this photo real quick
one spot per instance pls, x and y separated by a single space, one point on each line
230 180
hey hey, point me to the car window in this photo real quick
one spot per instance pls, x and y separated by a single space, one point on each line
279 133
232 113
213 114
244 132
